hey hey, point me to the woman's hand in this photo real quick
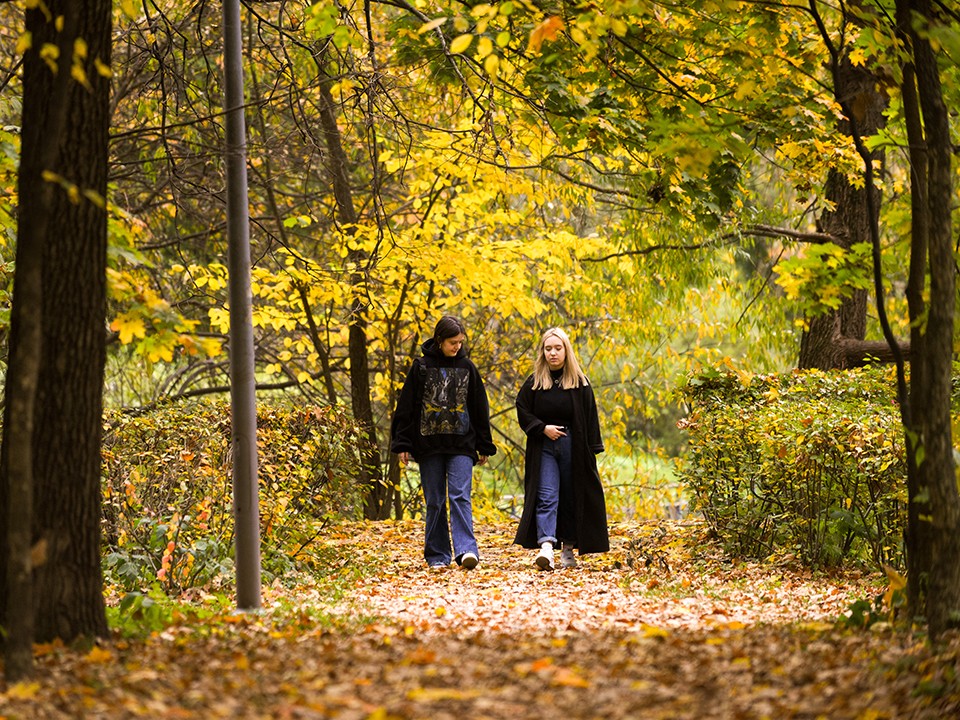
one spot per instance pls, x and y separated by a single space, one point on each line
481 459
554 431
405 457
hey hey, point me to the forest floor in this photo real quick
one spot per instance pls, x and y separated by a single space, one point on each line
663 626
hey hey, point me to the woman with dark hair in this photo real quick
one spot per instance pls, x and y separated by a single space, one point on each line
442 422
563 497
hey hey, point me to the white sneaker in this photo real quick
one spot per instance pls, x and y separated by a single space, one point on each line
567 558
469 561
544 559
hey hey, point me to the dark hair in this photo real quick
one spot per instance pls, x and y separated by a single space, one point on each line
447 327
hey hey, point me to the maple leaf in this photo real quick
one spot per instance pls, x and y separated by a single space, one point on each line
129 326
547 30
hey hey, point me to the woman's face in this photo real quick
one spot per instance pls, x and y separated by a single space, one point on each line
554 352
451 346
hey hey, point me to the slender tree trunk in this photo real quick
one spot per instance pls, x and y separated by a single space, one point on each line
72 232
377 501
917 541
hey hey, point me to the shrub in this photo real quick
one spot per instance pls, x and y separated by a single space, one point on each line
810 463
167 489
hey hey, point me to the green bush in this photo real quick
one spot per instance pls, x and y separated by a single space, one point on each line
810 464
167 489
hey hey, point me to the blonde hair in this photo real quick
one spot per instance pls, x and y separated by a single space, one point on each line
572 374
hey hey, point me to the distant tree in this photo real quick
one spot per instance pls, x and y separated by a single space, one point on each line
52 421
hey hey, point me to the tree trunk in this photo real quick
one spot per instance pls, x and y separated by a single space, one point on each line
67 581
35 209
378 495
937 472
918 541
849 223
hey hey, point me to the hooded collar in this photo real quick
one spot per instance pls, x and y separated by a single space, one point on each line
431 349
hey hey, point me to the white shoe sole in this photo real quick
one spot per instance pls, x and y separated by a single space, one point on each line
469 561
543 562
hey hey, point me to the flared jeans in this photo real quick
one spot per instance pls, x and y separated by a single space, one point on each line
443 477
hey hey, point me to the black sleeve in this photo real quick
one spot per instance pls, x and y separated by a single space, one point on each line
529 423
403 427
480 415
592 418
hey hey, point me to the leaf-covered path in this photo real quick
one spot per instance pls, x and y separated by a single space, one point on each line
661 627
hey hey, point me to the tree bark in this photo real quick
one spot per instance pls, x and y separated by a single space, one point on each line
918 541
378 495
848 224
937 472
65 453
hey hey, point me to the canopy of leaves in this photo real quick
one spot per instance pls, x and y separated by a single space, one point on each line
604 167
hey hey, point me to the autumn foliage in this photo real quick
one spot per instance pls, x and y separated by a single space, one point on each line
167 491
809 464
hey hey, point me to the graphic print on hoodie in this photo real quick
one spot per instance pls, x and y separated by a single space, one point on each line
444 409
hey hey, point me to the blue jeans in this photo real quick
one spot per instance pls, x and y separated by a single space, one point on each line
555 495
440 476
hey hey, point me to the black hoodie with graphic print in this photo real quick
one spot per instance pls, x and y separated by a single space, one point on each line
442 408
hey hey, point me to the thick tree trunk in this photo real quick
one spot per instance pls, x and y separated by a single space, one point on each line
67 581
849 223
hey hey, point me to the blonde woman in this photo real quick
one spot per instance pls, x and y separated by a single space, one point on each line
563 498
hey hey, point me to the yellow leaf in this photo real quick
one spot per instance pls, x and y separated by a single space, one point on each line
896 580
461 43
129 8
160 351
651 631
435 694
432 25
744 89
24 42
99 655
22 691
129 327
484 47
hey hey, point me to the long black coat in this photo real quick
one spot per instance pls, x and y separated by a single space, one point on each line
588 503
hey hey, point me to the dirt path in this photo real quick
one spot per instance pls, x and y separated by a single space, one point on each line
644 583
650 630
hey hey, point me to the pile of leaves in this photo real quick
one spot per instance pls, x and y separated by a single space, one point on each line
662 626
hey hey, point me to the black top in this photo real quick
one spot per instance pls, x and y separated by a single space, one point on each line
442 408
554 405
